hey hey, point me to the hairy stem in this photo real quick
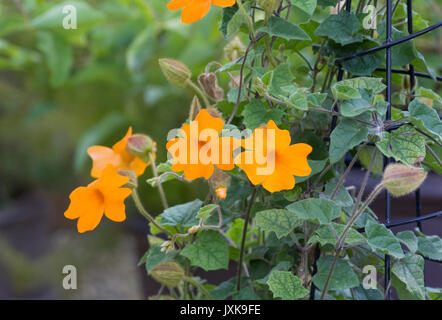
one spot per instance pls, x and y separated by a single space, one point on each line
145 213
159 185
243 240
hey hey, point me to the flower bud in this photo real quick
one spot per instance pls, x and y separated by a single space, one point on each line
193 229
400 179
141 146
209 83
214 112
133 181
234 49
175 72
221 192
269 6
195 108
167 246
220 182
169 273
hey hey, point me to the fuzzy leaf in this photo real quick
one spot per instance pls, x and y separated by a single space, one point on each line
321 211
404 144
286 286
282 28
183 215
382 239
280 221
343 276
211 253
341 28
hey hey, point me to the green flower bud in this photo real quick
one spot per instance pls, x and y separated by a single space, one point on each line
141 146
195 108
133 181
234 49
269 6
175 72
169 273
400 179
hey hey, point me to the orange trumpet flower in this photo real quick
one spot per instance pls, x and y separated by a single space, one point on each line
104 195
270 160
118 156
200 148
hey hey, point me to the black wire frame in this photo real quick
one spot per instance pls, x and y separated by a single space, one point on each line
388 72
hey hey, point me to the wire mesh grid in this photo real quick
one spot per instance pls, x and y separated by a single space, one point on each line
388 72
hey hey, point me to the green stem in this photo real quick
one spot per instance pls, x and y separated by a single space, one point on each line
248 19
198 91
243 240
160 186
145 213
199 286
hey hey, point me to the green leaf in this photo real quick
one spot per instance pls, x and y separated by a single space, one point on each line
281 81
343 276
281 266
255 114
342 197
325 235
307 6
345 92
341 28
347 134
227 15
430 247
205 212
410 270
58 55
156 256
372 85
365 157
425 118
404 144
382 239
316 99
362 65
212 252
282 28
246 294
321 211
354 107
299 101
183 215
286 286
409 239
279 221
401 54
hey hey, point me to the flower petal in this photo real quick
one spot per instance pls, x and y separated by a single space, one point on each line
101 157
110 179
245 160
281 179
294 159
195 11
177 4
120 146
115 208
223 3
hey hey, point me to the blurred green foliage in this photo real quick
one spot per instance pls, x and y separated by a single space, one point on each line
64 90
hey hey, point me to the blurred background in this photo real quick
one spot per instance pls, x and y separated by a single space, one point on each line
62 91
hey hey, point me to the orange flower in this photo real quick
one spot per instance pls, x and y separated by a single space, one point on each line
271 160
195 10
200 147
118 156
102 195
